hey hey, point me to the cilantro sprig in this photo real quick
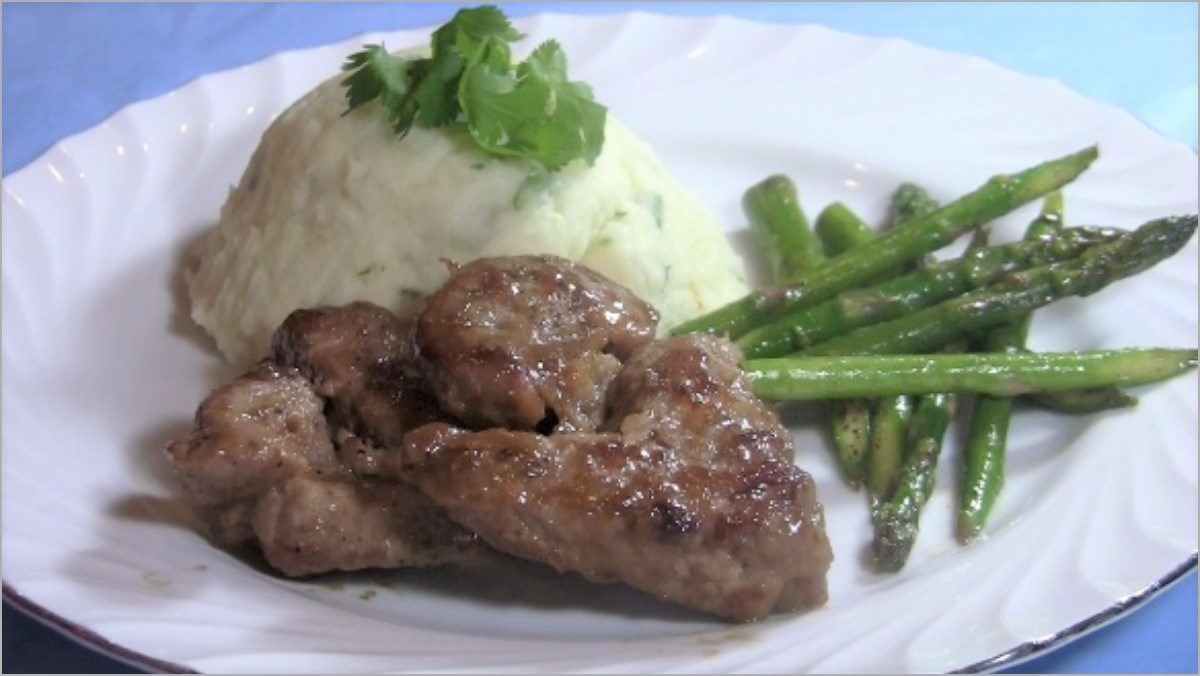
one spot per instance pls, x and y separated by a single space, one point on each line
530 110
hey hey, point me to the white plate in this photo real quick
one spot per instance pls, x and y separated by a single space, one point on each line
99 370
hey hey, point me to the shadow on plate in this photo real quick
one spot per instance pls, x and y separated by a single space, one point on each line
501 582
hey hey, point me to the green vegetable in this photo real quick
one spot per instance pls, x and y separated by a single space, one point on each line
785 239
425 91
1085 401
841 230
921 288
914 239
908 202
896 520
778 222
531 111
536 113
889 422
987 438
1018 293
896 516
850 426
892 415
998 374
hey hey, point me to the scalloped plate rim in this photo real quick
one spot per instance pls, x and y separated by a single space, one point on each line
1018 654
359 37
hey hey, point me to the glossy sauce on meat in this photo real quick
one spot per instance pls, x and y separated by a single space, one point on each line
689 392
357 357
692 496
528 342
265 465
601 451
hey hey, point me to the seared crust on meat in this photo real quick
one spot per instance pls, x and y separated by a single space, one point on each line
690 392
736 541
528 342
649 463
261 466
357 356
252 433
307 526
692 496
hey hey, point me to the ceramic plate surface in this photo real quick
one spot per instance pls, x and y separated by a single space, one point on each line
99 370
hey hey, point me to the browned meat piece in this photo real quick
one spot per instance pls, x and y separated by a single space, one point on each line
695 500
307 526
260 464
689 392
528 342
357 357
252 433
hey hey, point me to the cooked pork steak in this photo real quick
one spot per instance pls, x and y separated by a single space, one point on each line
695 499
357 356
261 465
689 392
528 342
650 463
307 526
257 431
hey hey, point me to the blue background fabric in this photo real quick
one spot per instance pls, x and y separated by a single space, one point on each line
67 67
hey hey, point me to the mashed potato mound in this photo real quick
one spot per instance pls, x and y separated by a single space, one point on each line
337 208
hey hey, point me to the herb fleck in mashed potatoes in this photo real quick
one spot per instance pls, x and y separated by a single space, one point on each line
335 208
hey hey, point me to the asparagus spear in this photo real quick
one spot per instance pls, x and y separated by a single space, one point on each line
998 374
855 432
841 230
850 427
1000 195
785 239
908 202
889 423
892 420
897 519
987 439
931 284
1085 401
782 229
1018 294
1093 400
892 417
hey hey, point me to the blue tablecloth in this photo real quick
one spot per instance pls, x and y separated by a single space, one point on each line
67 67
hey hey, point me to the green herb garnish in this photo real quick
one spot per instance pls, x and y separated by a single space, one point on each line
530 111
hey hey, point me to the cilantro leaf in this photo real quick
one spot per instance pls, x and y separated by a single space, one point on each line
532 111
452 46
468 30
374 71
536 113
376 74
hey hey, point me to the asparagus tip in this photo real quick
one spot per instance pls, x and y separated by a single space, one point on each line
773 182
967 531
895 533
